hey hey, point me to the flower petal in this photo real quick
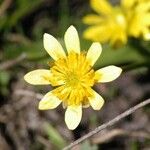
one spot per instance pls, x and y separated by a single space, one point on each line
119 37
101 6
92 19
107 74
53 47
72 40
94 53
99 33
146 34
96 101
73 116
49 101
38 77
127 3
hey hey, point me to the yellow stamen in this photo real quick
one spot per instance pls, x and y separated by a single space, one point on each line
78 77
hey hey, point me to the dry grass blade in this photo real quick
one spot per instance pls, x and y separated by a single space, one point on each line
110 134
10 63
4 6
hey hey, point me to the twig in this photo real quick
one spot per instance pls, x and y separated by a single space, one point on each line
108 135
10 63
17 38
108 124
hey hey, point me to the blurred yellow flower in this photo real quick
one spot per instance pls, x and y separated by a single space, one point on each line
73 76
114 24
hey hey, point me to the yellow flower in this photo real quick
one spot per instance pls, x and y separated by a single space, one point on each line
138 17
115 23
73 76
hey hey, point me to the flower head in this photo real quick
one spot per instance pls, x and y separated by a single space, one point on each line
73 76
115 23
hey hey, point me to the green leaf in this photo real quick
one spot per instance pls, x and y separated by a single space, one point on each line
54 136
4 78
127 55
86 146
23 7
34 51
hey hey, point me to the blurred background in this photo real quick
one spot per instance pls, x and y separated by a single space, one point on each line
22 125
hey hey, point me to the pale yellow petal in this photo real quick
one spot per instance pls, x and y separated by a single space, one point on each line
72 40
92 19
49 101
108 74
101 6
94 53
53 47
96 101
73 116
38 77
